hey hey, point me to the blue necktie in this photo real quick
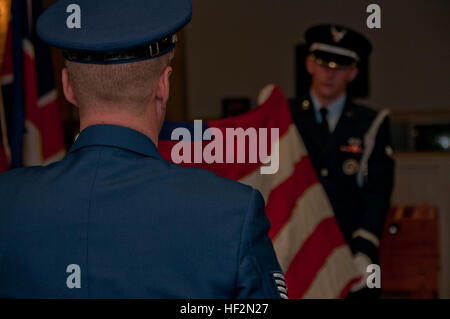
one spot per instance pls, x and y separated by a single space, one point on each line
324 127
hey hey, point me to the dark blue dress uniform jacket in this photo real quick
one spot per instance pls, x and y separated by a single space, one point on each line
360 209
136 225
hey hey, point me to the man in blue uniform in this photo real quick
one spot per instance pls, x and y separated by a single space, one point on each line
113 219
349 144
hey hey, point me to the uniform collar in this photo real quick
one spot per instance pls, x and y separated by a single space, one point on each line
335 109
116 136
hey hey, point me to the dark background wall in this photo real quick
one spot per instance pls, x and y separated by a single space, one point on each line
234 48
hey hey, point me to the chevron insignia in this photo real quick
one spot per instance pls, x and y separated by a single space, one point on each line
280 283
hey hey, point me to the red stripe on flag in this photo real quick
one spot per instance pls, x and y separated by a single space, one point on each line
46 118
274 113
312 256
283 199
347 288
51 129
30 88
4 165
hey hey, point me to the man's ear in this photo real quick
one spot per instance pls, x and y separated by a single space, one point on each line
353 74
68 89
162 93
163 87
310 64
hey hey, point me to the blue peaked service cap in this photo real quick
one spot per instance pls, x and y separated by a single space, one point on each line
337 46
113 31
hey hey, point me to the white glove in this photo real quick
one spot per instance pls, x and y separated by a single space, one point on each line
362 261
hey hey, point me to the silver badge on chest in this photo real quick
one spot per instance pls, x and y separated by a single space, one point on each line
350 167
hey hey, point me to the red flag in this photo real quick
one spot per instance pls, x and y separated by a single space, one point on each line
33 113
43 139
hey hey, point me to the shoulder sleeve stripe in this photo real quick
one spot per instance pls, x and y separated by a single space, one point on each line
367 236
369 141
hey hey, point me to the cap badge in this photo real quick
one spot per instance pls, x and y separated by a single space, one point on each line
338 35
306 104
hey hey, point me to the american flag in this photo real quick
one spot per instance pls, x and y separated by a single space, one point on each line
31 110
307 240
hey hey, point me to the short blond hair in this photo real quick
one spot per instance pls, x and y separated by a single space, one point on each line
126 84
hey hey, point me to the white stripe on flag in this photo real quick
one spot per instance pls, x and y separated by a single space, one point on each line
47 98
338 271
32 145
55 158
7 79
290 144
28 47
311 209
